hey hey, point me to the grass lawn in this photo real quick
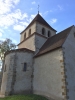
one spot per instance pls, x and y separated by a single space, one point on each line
24 97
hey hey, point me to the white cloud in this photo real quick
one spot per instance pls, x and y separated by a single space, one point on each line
2 39
1 30
46 12
12 18
31 17
33 2
51 11
18 27
60 7
24 23
31 8
0 34
6 5
53 21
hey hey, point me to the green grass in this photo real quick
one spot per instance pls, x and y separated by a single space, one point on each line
24 97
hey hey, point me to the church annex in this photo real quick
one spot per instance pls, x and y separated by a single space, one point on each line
43 64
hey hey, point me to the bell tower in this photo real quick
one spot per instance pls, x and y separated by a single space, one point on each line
36 34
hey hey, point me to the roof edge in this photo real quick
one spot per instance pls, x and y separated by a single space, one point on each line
46 52
31 36
18 50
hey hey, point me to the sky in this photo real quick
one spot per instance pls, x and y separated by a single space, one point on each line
15 15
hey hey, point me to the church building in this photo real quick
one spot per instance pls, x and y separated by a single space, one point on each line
43 64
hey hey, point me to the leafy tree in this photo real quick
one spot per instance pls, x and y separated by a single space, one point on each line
6 46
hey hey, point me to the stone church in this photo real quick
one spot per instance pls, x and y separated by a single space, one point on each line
43 64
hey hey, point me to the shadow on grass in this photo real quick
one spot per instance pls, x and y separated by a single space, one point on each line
24 97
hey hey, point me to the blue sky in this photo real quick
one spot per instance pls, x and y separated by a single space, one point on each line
15 15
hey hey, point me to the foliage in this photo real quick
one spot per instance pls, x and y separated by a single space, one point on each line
24 97
5 46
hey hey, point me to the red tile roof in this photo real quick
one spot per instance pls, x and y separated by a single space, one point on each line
54 42
39 19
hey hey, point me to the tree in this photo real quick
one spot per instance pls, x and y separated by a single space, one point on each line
6 46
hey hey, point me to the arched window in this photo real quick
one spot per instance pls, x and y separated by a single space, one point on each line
29 32
24 36
43 31
49 33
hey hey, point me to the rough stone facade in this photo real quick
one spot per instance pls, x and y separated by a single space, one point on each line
15 80
69 62
43 64
33 29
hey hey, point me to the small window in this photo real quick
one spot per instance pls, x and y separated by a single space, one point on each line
24 36
5 68
49 34
25 67
74 34
43 31
29 32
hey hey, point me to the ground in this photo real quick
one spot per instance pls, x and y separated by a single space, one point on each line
24 97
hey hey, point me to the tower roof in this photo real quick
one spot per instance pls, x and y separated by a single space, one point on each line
54 42
39 19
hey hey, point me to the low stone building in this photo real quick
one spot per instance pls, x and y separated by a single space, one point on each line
43 64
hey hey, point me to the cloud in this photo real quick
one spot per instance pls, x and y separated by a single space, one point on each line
24 23
33 2
30 18
31 8
6 5
60 7
12 18
53 21
0 34
46 12
18 27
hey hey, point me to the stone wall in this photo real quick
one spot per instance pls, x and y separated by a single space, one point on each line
39 29
48 78
33 29
29 43
15 80
69 62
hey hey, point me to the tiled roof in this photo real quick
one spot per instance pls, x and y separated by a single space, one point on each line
39 19
54 42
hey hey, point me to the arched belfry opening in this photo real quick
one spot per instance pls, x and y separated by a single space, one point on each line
49 34
29 32
43 31
25 36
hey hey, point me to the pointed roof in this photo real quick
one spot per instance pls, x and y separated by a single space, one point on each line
39 19
54 42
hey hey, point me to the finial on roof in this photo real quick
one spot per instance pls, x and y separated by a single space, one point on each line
38 9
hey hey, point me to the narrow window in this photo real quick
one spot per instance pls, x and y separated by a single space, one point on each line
74 34
29 32
49 34
24 36
25 67
43 31
5 68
